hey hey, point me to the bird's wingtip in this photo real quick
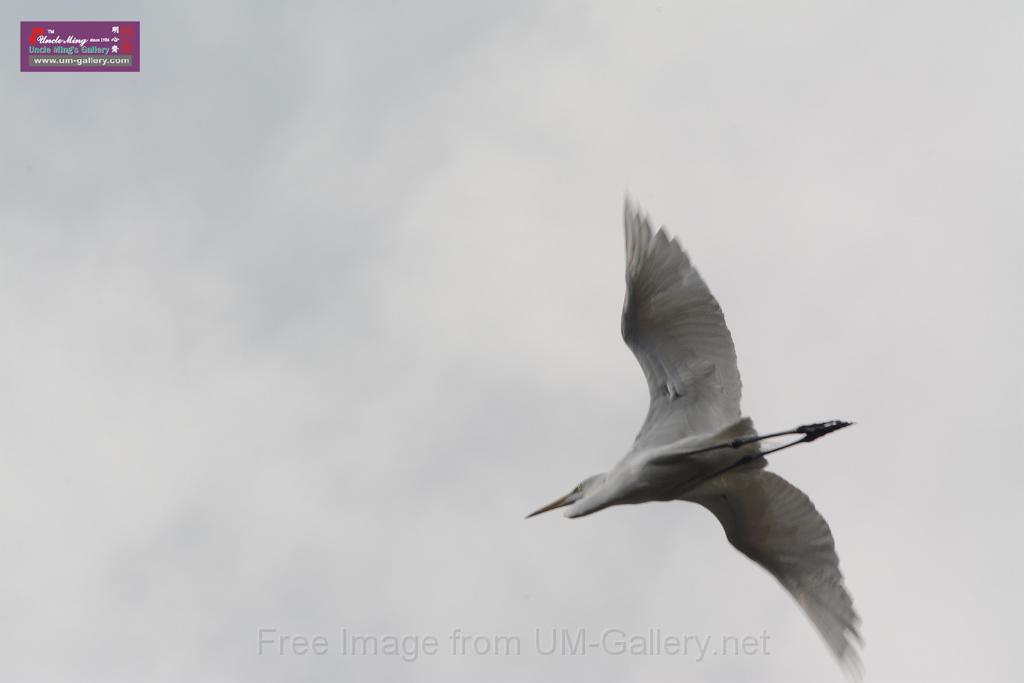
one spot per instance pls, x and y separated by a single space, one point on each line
630 207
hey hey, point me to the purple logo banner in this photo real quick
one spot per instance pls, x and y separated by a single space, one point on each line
79 46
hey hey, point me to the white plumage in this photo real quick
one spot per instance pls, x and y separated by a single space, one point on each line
676 330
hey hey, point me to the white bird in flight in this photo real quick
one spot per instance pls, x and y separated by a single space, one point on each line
696 446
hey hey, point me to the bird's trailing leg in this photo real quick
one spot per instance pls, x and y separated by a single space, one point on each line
808 433
820 429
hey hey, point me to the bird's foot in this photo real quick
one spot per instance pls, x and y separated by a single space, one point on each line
820 429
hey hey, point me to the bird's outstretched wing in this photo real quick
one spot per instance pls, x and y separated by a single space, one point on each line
676 330
776 525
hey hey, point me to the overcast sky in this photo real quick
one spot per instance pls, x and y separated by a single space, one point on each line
297 324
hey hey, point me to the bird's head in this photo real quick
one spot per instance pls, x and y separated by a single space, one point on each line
582 490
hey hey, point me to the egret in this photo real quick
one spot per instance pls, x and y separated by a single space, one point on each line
696 446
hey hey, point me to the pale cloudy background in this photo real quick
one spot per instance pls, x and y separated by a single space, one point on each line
296 325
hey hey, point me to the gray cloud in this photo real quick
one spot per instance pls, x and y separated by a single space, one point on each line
298 322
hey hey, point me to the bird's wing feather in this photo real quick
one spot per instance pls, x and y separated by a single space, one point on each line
676 330
777 526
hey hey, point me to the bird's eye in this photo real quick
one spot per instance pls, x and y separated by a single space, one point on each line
579 488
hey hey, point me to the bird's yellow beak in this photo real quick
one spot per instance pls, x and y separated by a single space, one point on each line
561 502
